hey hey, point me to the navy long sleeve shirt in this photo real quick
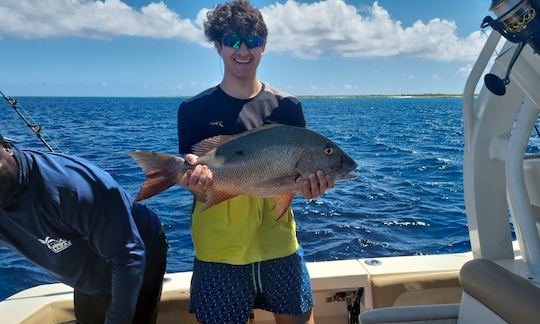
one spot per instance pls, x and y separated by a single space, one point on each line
73 219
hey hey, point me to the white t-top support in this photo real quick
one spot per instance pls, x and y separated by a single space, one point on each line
518 198
497 131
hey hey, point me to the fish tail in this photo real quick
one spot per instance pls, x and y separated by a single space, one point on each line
161 172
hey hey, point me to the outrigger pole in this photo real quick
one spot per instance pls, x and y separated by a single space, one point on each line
36 129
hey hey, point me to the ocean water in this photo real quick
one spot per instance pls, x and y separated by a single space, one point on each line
407 200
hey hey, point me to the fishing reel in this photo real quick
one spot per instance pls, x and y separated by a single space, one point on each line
519 22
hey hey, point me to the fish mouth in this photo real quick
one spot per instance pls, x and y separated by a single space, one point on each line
347 175
345 170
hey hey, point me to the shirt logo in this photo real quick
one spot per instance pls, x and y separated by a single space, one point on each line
56 245
216 123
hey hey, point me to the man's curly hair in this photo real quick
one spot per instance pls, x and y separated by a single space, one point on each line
237 16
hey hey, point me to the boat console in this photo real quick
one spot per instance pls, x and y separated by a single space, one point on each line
501 180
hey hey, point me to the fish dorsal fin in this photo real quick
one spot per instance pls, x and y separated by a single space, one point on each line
211 143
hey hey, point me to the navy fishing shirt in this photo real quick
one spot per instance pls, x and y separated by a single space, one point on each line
73 219
213 112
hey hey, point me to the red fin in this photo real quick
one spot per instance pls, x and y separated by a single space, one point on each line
214 197
282 203
161 172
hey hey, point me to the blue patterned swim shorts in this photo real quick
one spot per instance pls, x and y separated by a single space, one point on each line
224 293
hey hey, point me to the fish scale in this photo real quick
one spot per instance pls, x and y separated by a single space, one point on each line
269 161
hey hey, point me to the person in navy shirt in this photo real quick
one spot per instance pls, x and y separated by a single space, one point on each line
75 221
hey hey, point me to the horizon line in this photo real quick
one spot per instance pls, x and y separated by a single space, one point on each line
299 96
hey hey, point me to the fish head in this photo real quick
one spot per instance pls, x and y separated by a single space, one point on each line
328 157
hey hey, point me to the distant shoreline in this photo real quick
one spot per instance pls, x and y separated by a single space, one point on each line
403 96
400 96
396 96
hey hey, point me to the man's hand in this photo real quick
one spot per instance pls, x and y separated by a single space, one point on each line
198 179
316 185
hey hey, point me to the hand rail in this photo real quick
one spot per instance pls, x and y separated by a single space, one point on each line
468 93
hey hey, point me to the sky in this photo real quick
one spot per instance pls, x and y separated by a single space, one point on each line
140 48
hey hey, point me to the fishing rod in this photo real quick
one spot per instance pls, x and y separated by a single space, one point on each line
36 129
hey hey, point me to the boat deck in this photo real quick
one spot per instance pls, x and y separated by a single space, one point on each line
389 281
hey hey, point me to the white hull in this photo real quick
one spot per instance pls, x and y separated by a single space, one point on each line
396 281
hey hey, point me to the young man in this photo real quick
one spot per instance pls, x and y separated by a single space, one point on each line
72 219
244 258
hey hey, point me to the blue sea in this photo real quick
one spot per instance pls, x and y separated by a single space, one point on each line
407 200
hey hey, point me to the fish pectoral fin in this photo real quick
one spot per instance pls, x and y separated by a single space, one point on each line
214 197
282 203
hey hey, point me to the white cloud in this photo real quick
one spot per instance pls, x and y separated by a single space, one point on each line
464 71
93 19
332 26
329 27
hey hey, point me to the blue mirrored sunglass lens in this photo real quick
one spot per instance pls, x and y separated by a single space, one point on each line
237 44
235 41
253 41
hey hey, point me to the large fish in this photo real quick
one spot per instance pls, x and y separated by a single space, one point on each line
269 161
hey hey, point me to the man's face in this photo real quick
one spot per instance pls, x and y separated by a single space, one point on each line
242 62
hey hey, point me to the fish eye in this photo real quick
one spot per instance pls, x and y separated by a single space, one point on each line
328 150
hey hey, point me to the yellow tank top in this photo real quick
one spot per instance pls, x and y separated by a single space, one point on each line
242 230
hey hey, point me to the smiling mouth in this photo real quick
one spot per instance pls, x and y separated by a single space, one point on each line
242 61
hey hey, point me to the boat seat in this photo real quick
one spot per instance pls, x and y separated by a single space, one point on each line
496 293
440 314
491 294
415 289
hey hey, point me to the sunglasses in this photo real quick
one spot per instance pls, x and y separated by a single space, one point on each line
235 41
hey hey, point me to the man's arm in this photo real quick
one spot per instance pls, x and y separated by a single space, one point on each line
317 185
198 180
115 237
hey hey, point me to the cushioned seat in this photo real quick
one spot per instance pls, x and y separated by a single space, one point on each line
491 294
